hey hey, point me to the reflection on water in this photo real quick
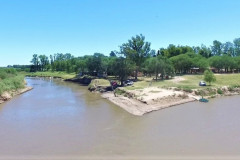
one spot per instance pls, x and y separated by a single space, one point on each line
60 118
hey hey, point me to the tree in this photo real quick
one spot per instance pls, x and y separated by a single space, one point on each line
136 50
200 62
216 62
113 54
95 63
81 64
228 49
159 64
237 62
182 63
43 62
35 62
209 76
204 51
236 43
217 48
111 64
122 67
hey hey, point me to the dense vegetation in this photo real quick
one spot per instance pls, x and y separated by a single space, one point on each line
136 56
10 80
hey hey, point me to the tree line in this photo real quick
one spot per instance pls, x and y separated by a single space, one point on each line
136 56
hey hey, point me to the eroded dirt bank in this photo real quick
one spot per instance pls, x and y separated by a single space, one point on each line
6 96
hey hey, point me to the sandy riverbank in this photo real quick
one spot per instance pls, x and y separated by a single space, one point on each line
149 99
9 95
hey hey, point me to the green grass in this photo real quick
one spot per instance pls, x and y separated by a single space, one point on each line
189 83
100 82
10 80
227 80
63 75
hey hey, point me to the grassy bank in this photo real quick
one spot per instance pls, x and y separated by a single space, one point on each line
188 82
10 80
62 75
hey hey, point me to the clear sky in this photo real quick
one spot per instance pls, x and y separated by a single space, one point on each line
82 27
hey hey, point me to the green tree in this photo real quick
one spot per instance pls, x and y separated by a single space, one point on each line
209 76
216 62
35 62
228 49
159 65
217 48
95 63
236 43
113 54
43 59
182 63
204 51
137 50
122 67
200 62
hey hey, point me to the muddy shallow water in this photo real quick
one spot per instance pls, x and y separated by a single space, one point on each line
63 119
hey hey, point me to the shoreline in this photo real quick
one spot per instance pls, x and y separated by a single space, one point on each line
139 108
141 101
6 96
155 101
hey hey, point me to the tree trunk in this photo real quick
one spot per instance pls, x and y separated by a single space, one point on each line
156 76
121 82
136 74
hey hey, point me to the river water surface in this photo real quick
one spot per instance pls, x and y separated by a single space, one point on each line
63 119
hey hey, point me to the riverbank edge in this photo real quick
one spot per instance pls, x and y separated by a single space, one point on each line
139 108
6 96
83 80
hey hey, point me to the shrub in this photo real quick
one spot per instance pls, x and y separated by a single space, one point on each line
3 75
219 91
189 90
9 80
209 76
120 92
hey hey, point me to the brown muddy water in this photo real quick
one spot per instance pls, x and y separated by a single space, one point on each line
63 120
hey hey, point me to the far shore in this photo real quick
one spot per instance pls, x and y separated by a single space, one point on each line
146 95
6 96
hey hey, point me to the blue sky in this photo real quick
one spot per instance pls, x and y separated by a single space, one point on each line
82 27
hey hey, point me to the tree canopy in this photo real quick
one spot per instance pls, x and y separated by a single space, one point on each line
136 56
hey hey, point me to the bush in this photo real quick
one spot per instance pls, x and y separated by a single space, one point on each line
120 92
209 76
3 74
219 91
9 80
184 88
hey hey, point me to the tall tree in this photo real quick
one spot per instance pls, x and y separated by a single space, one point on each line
35 62
228 49
43 59
182 63
95 63
113 54
159 65
137 50
217 48
237 46
122 67
204 51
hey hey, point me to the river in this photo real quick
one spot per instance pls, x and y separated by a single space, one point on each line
64 120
